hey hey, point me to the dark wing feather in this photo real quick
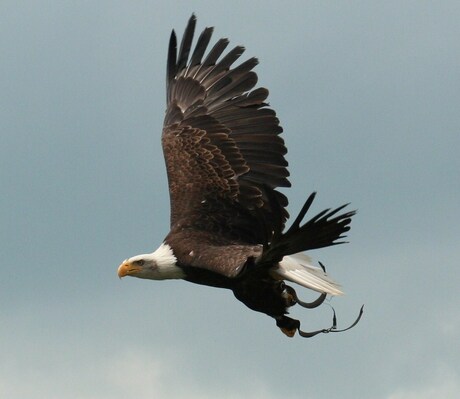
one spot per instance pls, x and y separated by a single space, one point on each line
223 152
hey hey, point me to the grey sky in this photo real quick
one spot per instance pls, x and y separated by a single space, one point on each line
368 94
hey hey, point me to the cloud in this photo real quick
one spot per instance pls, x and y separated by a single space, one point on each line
135 374
128 374
445 384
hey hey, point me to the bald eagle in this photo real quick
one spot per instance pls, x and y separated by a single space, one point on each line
225 161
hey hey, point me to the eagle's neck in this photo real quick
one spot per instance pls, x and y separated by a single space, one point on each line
165 264
164 256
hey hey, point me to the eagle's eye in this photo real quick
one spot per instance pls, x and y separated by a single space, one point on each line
140 262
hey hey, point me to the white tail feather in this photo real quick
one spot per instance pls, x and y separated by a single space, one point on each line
298 269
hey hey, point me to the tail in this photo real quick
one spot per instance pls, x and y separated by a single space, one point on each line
298 269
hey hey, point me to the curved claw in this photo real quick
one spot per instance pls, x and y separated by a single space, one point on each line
333 328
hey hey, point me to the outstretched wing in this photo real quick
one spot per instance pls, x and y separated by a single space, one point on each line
223 153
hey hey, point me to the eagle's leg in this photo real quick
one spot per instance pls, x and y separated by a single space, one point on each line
287 325
292 298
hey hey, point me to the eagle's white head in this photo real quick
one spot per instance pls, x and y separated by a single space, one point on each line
159 265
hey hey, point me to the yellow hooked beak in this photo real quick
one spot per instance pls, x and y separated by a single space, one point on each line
126 268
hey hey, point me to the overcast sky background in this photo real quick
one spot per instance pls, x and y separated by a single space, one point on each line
368 93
